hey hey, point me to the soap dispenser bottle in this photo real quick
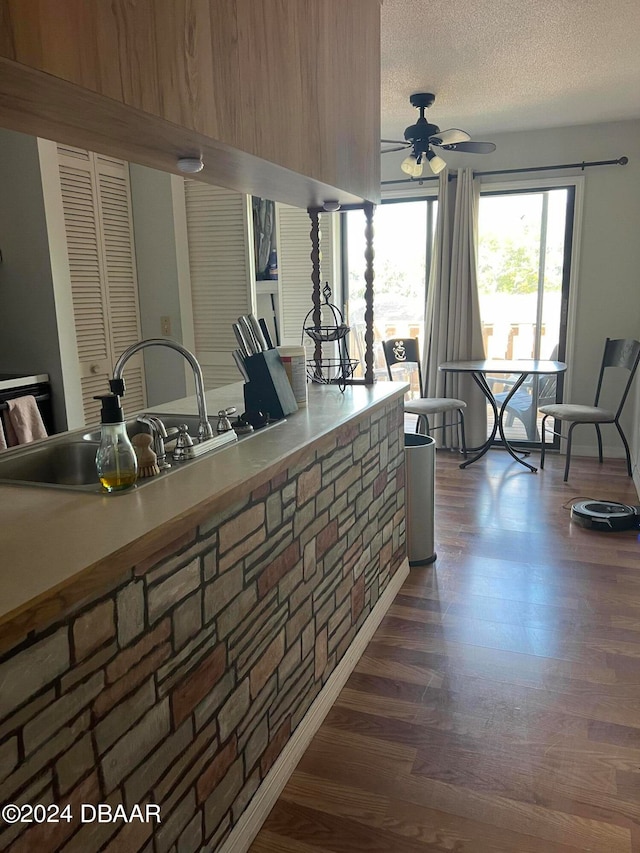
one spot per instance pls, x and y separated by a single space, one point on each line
116 459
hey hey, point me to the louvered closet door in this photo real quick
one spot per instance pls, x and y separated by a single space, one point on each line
82 225
295 268
120 275
219 262
96 205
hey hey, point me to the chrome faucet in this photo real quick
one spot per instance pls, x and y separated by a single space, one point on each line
205 429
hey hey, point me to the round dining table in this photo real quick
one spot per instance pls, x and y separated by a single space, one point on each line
520 368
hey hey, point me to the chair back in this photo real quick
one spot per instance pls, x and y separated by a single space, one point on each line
401 351
624 353
547 391
548 385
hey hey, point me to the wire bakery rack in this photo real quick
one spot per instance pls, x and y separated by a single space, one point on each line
334 366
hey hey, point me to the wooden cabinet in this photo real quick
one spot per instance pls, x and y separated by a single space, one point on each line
282 99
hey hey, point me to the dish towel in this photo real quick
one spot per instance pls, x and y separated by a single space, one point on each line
3 440
24 423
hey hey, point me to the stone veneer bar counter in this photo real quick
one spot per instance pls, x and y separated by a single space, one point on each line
179 644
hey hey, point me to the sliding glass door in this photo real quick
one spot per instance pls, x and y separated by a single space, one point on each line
524 255
402 242
524 251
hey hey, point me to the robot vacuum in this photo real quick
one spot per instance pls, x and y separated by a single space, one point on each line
605 515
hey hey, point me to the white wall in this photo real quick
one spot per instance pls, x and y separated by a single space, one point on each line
608 286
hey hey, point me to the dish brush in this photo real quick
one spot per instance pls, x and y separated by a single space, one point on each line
147 459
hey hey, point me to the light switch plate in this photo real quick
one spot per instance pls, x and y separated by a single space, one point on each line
165 325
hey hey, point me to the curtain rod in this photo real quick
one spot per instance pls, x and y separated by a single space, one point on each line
621 161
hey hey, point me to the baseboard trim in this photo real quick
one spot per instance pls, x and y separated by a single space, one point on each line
265 797
591 450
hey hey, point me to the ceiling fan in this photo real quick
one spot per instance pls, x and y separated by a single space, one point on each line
422 137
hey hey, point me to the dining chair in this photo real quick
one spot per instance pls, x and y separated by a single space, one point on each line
525 404
406 351
619 353
533 393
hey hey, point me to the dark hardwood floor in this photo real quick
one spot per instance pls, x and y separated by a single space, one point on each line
497 708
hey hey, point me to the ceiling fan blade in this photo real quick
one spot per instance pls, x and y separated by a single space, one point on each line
471 147
448 137
397 145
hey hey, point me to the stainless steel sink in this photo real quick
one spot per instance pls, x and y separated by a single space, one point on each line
69 461
170 421
173 421
69 465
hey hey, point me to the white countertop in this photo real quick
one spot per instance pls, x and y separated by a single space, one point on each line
217 399
17 381
51 538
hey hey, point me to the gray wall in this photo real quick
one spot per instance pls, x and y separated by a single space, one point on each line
157 280
28 327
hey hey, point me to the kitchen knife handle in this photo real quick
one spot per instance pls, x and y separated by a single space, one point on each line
239 360
265 332
257 331
247 331
244 348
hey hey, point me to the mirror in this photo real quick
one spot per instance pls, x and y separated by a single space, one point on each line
37 329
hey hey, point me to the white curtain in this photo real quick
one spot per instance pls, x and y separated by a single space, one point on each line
453 331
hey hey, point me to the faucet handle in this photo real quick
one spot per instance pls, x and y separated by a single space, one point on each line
224 424
184 439
184 444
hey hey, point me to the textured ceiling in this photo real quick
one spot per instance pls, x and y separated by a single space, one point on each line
510 64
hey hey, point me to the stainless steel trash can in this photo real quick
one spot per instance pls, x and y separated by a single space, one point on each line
419 464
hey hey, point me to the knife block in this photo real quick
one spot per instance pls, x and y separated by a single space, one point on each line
268 389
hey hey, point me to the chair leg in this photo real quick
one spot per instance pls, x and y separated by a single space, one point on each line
568 462
599 434
422 425
626 447
530 424
544 422
463 440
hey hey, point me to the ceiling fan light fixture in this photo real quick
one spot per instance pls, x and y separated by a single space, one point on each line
411 167
436 164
